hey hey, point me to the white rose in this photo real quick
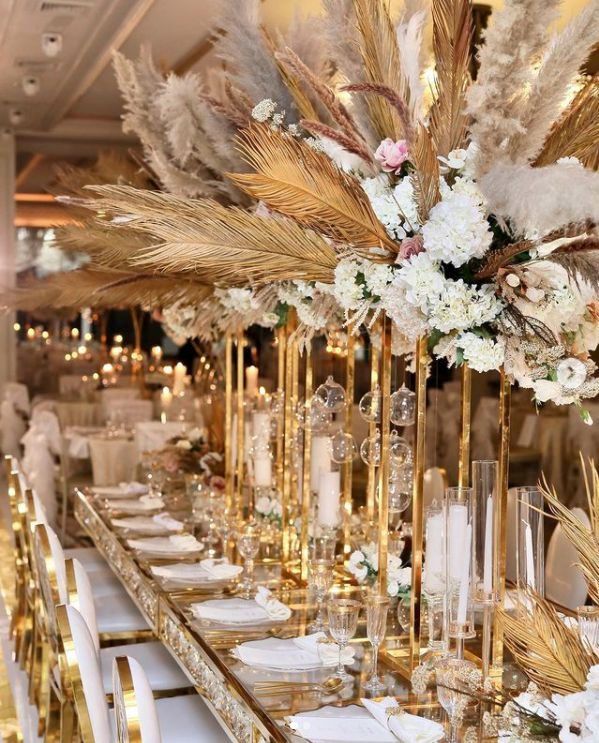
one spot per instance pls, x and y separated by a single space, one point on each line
404 577
392 587
571 373
263 504
546 390
184 444
569 709
592 683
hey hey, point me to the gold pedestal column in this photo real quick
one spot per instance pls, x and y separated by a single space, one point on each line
229 476
371 482
348 466
288 432
306 489
383 525
502 487
240 426
465 418
279 451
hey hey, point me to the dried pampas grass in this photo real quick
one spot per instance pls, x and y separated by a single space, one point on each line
409 32
514 42
540 200
569 50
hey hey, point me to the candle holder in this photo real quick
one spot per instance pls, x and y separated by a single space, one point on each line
486 548
434 585
459 559
530 554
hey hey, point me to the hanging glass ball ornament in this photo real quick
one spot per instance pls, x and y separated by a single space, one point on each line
370 450
403 407
370 405
330 395
343 447
399 449
320 418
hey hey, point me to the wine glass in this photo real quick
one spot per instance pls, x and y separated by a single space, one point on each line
248 544
343 622
376 626
452 692
588 626
321 577
227 526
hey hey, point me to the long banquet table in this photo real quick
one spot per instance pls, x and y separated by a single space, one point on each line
204 653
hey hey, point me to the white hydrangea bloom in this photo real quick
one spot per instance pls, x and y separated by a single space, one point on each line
421 279
384 205
403 195
409 320
460 306
456 230
378 276
348 292
263 110
481 354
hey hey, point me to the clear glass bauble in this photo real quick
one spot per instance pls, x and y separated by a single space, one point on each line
320 418
399 449
370 450
343 447
403 407
370 406
330 395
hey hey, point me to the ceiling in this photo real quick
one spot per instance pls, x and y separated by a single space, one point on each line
76 111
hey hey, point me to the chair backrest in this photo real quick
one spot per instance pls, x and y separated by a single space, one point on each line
134 706
153 435
12 428
80 595
84 675
118 394
129 411
564 580
17 393
51 576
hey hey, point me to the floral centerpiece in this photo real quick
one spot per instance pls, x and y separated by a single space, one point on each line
269 509
364 566
189 452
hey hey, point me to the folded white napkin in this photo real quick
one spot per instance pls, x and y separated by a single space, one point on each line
273 607
176 543
407 728
167 522
297 654
205 570
134 487
357 729
145 503
327 651
229 611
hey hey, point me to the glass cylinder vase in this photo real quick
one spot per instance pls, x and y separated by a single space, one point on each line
530 555
485 514
459 559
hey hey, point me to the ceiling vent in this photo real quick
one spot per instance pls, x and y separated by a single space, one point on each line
38 66
65 6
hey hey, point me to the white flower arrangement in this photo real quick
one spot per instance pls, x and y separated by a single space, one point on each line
364 566
269 509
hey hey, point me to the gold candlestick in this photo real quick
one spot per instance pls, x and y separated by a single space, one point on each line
281 356
502 488
306 490
288 428
383 539
348 466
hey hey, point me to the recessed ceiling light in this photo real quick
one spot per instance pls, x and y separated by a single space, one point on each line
51 44
31 85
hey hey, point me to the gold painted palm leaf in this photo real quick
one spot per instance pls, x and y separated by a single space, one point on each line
296 180
222 245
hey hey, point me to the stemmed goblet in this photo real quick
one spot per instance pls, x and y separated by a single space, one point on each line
343 622
376 627
451 691
321 577
248 544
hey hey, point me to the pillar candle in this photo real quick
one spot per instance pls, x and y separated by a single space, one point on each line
179 379
488 561
458 521
435 554
530 562
320 459
263 471
251 380
166 398
261 429
329 494
157 353
465 577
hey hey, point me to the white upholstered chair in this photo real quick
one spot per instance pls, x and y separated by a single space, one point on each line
564 580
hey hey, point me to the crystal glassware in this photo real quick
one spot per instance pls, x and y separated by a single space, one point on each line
376 627
403 407
588 626
452 691
530 553
343 447
330 395
343 622
321 578
248 545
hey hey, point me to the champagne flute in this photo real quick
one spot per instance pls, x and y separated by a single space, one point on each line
248 544
588 626
450 691
343 622
376 627
321 577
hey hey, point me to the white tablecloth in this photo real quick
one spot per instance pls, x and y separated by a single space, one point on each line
113 460
153 435
78 414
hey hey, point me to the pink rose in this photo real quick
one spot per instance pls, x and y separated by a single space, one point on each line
410 246
392 154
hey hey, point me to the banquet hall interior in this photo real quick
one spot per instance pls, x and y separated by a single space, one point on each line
299 414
